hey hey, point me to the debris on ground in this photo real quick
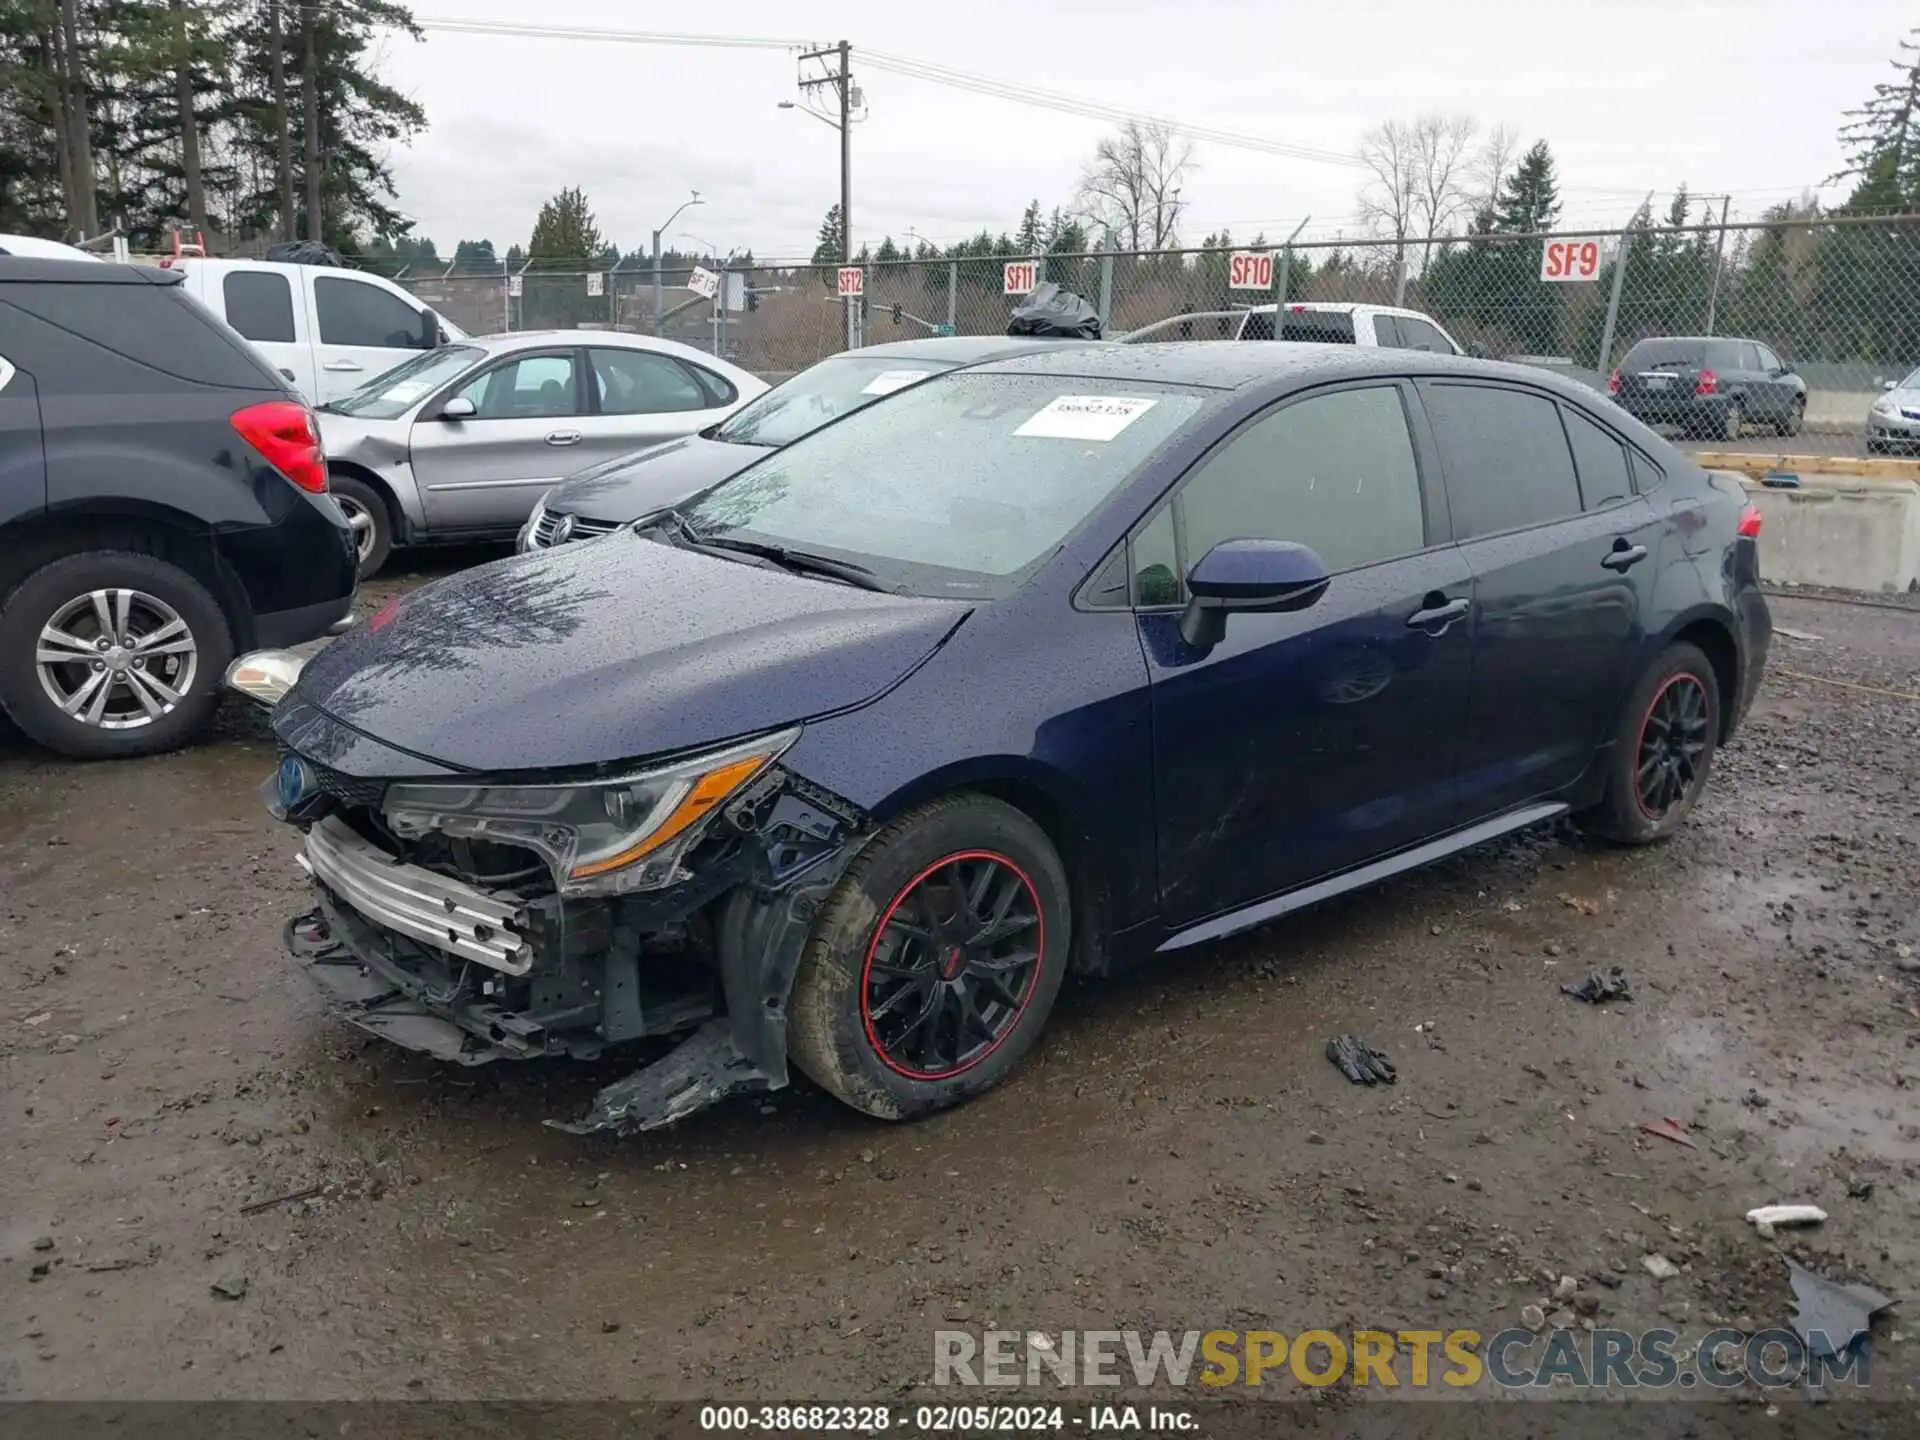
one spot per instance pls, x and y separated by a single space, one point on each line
1792 634
257 1206
1859 1188
1668 1128
1359 1061
1831 1316
1580 903
1601 986
1659 1267
230 1287
1767 1218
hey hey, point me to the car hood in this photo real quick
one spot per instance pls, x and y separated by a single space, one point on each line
600 654
629 486
1901 398
354 437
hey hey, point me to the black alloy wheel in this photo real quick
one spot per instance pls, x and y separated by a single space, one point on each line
1674 739
952 965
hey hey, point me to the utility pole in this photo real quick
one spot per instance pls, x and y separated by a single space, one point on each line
841 79
1719 257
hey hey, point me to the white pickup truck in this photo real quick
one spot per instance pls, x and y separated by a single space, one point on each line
325 328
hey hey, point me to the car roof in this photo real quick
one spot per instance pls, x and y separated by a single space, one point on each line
1231 364
34 246
1694 339
32 268
964 349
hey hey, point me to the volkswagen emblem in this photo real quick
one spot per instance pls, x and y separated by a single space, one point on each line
296 781
563 530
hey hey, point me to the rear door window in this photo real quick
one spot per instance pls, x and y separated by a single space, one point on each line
1600 459
637 382
259 305
352 312
1506 458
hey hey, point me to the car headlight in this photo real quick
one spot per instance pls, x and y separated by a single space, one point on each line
265 676
603 837
524 542
1885 406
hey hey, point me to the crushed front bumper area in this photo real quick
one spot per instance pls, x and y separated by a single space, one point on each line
471 975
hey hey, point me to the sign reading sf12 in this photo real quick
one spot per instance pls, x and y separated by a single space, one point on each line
1562 260
852 281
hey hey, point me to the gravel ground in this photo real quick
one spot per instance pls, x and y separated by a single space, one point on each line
1178 1153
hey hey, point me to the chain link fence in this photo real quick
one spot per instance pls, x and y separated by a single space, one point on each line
1836 299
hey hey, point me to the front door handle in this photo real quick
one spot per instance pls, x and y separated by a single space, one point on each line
343 365
1435 618
1623 557
563 437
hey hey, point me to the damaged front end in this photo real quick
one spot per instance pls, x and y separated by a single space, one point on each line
477 921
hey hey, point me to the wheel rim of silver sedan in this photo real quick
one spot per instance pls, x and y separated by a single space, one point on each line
360 521
116 659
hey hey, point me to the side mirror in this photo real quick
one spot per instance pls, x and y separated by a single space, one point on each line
458 408
1889 384
1251 575
429 329
1477 351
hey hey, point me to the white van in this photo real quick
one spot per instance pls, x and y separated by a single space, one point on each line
327 329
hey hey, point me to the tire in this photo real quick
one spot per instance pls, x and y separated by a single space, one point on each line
1731 423
1637 815
187 661
1796 417
1879 447
372 521
884 938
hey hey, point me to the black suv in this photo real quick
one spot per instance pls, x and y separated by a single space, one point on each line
163 506
1711 387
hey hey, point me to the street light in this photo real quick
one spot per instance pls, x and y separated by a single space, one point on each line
659 300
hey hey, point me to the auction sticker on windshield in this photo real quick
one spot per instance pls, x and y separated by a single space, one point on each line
888 381
1085 417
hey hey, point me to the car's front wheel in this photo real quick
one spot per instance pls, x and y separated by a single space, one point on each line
1796 417
366 511
1662 750
111 653
933 965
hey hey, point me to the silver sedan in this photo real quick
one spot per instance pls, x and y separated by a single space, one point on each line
1893 425
458 443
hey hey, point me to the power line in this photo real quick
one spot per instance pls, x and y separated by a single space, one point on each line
907 66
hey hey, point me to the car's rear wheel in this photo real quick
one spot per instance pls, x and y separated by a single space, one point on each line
1732 423
1662 750
1796 417
111 653
366 511
934 963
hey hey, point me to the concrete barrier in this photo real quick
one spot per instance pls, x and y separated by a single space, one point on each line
1849 523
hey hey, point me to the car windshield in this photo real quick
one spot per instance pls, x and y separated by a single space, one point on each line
960 486
1912 382
392 392
824 392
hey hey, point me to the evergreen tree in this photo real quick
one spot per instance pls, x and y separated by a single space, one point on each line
1882 137
1028 239
887 251
565 232
1529 200
830 251
475 255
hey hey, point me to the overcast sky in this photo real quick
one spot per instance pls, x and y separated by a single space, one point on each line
1725 95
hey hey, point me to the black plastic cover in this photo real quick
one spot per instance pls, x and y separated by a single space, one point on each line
1056 313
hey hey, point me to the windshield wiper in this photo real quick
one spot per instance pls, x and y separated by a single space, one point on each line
800 562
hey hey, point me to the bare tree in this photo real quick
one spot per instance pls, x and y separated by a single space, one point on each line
1386 204
310 101
1442 160
1496 157
1133 182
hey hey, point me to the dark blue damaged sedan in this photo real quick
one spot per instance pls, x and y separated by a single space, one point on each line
1067 661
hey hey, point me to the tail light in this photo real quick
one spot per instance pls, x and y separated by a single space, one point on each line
1709 384
1613 383
284 433
1750 522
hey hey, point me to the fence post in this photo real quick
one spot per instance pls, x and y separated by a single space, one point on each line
1719 255
1400 277
1604 363
1280 284
1106 285
953 296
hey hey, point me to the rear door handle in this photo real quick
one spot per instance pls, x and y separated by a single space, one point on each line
1440 616
1623 557
343 365
563 437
